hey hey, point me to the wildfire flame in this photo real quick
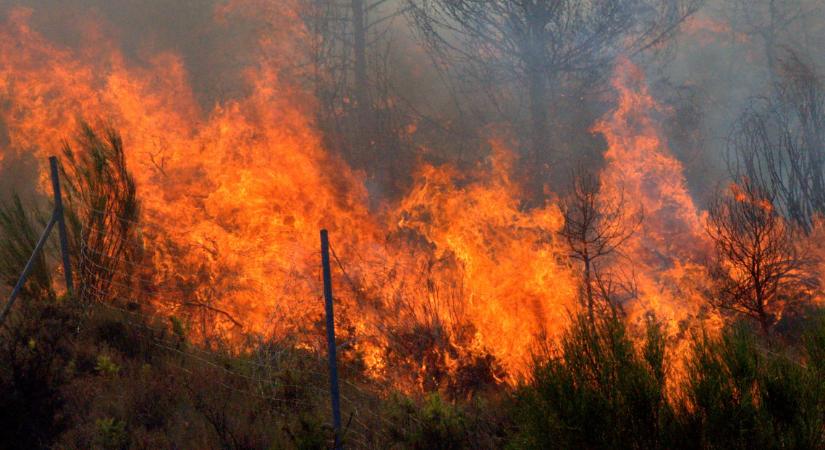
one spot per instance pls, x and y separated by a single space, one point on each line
669 250
233 199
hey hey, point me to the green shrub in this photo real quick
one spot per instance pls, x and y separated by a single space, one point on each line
434 424
105 366
598 391
743 392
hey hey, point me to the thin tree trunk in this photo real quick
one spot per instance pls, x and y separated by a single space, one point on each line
539 133
770 44
588 286
361 92
762 314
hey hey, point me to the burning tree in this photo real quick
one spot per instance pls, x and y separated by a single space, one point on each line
537 44
594 227
103 208
348 48
759 267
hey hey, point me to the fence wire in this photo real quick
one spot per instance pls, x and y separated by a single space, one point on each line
256 373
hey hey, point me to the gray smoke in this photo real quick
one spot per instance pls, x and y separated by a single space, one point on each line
715 67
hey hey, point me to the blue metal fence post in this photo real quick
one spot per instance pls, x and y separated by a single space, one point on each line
61 225
333 365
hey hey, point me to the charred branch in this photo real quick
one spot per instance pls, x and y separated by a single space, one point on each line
759 267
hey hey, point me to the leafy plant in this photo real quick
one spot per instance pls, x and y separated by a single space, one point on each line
106 366
596 391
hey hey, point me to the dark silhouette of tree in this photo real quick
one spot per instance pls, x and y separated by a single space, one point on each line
758 267
536 43
594 227
779 142
349 53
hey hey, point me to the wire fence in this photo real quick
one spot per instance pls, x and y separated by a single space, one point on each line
258 375
155 304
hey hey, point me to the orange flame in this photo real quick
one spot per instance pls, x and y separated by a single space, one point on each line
233 199
666 255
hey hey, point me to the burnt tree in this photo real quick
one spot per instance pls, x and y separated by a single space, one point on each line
594 228
779 142
348 51
759 270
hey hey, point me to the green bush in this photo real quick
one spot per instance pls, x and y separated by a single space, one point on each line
597 391
740 391
105 366
434 424
743 392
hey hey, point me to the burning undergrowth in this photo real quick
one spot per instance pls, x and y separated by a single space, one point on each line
451 287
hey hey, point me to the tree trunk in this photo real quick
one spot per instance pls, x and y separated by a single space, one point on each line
770 38
588 286
361 90
764 320
539 132
764 324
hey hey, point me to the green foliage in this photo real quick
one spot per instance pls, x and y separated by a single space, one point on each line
742 392
441 425
106 366
178 328
19 233
739 392
596 392
434 424
813 341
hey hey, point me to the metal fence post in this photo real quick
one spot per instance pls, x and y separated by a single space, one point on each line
333 365
61 225
58 219
27 270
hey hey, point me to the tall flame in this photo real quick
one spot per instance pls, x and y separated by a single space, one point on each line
668 252
233 199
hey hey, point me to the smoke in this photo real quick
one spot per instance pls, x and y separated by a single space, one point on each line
238 169
720 64
717 65
214 51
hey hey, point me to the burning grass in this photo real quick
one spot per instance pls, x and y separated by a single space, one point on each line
464 320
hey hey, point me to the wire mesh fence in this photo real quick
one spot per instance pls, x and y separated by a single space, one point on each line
249 372
113 286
